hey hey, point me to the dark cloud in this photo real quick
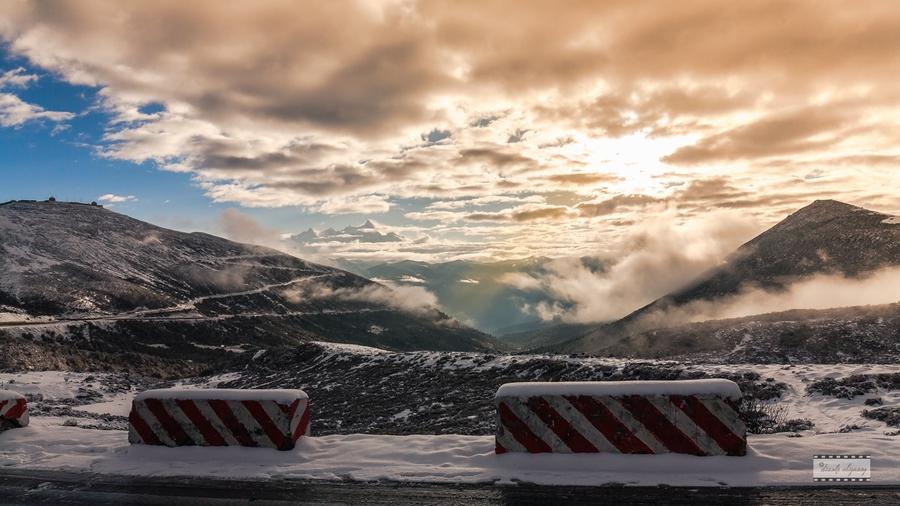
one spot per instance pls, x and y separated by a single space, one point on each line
611 205
584 178
797 131
548 213
497 157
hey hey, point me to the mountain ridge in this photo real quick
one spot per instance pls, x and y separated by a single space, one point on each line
824 237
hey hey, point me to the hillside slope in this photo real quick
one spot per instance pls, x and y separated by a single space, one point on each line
825 237
67 265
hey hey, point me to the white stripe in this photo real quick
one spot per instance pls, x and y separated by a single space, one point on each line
578 421
207 411
539 428
153 423
726 415
298 414
278 417
256 432
629 421
505 438
184 422
683 423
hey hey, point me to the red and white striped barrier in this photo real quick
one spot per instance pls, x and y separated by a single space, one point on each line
697 417
219 417
13 410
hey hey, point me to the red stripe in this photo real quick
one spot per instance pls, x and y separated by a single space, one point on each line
231 422
568 434
302 424
710 423
2 403
17 410
290 410
606 422
660 426
210 435
498 448
262 418
175 431
141 427
521 432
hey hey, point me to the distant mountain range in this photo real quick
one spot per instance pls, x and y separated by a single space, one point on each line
367 232
826 237
474 292
77 275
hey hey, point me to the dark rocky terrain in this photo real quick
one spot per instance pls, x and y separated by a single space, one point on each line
865 334
79 281
368 391
825 237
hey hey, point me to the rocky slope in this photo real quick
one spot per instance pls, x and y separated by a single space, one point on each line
363 390
866 334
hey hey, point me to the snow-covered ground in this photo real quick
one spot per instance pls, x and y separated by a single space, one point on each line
52 443
772 459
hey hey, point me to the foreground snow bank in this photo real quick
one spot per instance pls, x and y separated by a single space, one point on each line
772 460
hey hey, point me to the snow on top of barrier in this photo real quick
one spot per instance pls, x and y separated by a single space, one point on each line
722 387
8 395
282 396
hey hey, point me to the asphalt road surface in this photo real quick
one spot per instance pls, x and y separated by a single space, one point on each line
61 488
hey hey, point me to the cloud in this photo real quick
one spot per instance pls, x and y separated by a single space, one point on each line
366 204
655 258
410 299
112 198
584 178
17 78
14 112
613 204
815 292
528 212
372 107
794 132
240 227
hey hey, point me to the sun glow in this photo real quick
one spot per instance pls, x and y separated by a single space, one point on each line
634 158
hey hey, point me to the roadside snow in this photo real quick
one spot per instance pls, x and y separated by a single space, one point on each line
771 460
402 415
722 387
9 395
350 348
49 384
282 396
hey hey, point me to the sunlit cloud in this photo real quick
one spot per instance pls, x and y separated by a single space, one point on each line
488 130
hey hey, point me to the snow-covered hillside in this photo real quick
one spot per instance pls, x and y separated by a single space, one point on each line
127 283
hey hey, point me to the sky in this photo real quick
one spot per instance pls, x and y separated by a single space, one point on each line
474 130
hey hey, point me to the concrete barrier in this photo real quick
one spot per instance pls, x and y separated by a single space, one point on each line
219 417
13 410
697 417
